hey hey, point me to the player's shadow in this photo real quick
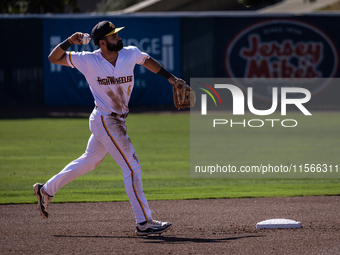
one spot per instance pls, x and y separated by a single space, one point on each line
168 239
171 239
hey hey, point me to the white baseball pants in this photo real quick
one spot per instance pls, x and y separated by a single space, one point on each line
108 136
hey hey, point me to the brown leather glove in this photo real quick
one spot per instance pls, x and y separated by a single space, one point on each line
184 96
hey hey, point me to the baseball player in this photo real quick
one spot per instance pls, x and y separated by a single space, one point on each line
109 73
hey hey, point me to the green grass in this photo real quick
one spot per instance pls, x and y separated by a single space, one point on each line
33 150
315 140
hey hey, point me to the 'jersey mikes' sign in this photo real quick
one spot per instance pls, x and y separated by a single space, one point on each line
280 51
308 55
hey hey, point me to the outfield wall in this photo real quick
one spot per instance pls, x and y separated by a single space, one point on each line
236 44
21 65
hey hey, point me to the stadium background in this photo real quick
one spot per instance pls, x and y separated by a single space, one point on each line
188 45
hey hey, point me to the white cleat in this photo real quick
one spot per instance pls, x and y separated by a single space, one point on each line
152 227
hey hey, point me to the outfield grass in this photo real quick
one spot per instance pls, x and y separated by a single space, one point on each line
33 150
314 140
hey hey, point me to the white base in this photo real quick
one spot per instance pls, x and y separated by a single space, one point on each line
278 223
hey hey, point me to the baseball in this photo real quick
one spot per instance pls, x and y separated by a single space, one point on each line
86 39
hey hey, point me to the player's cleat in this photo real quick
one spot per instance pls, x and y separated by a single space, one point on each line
152 227
43 199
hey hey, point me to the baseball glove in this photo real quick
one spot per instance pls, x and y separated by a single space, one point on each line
184 96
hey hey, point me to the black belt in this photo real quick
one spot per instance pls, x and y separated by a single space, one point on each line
116 115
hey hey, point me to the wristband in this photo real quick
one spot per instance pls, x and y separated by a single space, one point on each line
164 73
65 44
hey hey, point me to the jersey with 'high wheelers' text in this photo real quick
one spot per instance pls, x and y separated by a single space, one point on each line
111 86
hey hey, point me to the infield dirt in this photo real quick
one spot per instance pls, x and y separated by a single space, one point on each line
215 226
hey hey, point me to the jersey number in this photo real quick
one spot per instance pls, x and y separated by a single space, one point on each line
129 90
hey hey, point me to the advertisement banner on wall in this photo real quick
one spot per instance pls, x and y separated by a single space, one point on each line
159 37
268 52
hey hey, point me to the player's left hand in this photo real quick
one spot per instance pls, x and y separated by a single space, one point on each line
172 80
184 96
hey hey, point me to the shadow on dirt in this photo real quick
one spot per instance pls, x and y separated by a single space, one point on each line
167 239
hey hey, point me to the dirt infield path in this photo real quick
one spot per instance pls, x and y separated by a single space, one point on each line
216 226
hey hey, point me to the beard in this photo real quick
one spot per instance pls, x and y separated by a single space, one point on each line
115 47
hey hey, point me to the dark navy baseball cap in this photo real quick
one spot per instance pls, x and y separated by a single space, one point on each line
103 28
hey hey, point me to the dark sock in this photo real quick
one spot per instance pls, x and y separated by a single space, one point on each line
142 223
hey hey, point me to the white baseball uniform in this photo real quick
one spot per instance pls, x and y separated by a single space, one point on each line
111 88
